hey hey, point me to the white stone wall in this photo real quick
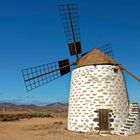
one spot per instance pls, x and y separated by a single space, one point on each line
93 88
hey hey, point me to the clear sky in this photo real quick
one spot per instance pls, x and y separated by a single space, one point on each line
31 33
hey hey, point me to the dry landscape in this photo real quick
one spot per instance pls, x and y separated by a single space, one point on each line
48 129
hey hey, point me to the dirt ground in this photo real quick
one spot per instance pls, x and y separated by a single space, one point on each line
48 129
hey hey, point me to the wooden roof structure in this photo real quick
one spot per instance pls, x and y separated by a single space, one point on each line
95 57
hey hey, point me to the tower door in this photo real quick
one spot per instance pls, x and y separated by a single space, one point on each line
104 119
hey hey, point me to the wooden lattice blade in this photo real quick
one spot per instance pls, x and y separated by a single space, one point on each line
40 75
72 48
107 49
69 14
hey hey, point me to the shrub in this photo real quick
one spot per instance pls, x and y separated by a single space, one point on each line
59 123
6 117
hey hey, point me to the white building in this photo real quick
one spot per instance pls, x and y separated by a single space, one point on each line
99 99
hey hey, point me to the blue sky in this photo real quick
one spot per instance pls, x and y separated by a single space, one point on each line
31 33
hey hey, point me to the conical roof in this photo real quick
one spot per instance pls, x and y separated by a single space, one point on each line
95 57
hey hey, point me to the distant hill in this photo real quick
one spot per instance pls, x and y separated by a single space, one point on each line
56 105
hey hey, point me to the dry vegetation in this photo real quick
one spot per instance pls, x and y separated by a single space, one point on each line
16 117
48 129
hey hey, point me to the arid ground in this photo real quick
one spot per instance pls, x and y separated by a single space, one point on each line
48 129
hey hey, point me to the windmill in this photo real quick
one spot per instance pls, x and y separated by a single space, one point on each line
88 110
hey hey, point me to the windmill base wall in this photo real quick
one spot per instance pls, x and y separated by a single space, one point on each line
100 87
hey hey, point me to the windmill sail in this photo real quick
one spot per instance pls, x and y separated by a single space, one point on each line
69 14
40 75
107 49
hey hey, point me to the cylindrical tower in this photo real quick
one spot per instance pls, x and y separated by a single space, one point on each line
98 99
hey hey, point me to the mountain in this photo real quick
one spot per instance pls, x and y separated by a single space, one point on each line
56 105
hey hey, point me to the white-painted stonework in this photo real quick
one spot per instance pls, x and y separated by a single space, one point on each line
101 87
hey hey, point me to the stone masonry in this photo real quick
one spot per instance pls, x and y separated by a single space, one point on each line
98 87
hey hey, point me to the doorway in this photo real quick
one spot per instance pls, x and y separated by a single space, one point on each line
104 119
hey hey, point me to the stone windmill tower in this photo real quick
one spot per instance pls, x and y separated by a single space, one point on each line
98 95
